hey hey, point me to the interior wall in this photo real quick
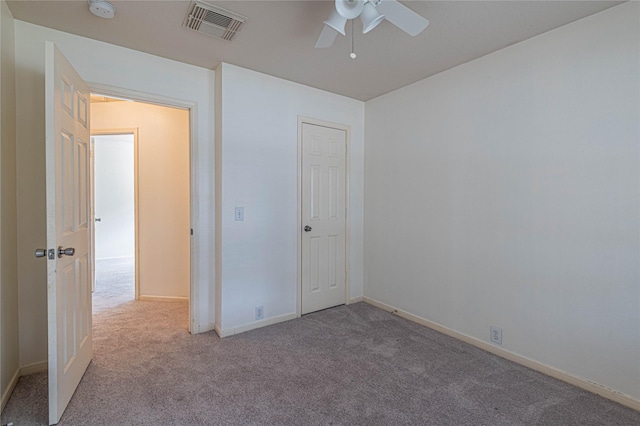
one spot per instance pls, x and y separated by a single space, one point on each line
114 195
163 191
103 63
258 151
9 361
517 176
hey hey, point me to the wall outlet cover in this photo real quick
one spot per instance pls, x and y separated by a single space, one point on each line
496 335
259 312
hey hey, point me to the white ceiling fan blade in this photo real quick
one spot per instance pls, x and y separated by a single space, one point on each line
402 17
327 37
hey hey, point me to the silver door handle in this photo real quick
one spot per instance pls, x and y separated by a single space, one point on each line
307 228
51 254
66 251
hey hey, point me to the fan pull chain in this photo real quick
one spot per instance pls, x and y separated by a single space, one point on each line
353 53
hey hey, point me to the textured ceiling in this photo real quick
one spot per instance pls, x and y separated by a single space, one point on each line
279 36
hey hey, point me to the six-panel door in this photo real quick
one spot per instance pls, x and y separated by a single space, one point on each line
68 220
324 213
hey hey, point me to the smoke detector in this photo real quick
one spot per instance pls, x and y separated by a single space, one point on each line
213 21
102 8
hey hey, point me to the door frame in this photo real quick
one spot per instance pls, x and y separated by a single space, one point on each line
347 129
192 107
136 237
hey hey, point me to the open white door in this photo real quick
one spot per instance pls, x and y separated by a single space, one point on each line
92 215
68 210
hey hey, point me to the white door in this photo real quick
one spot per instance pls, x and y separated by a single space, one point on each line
92 215
323 217
114 197
68 212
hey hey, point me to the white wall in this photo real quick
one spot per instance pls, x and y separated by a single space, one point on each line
506 191
9 362
258 153
107 64
163 191
113 194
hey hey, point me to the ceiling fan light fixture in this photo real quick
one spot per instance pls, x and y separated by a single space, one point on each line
337 22
370 18
371 12
102 8
350 9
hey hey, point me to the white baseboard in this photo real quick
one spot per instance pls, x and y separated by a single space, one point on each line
587 385
6 394
203 328
254 325
36 367
162 299
356 299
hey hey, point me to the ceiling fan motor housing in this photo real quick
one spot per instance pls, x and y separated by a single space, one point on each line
350 9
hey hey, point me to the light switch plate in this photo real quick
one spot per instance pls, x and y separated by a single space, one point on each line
239 214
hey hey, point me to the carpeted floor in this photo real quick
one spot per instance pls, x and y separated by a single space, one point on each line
115 283
350 365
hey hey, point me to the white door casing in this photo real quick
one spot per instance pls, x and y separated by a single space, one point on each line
196 324
68 214
323 186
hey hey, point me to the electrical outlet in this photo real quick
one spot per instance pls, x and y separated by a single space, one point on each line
259 312
496 334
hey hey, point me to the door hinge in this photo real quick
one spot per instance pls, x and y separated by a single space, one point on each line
191 231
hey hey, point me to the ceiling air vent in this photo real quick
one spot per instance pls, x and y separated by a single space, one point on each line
213 21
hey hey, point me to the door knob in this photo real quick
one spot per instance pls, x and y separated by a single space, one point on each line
98 219
50 254
66 251
307 228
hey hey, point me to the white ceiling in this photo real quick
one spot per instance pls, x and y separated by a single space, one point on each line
279 37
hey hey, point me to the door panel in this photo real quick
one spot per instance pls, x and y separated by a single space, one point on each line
68 276
114 196
323 210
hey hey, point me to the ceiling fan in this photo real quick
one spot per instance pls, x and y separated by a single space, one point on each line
371 13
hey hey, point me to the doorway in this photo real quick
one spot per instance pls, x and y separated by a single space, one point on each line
114 165
153 140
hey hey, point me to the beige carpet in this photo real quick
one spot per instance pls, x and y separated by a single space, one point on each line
115 283
353 365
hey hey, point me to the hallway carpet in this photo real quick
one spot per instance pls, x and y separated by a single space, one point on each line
350 365
115 283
